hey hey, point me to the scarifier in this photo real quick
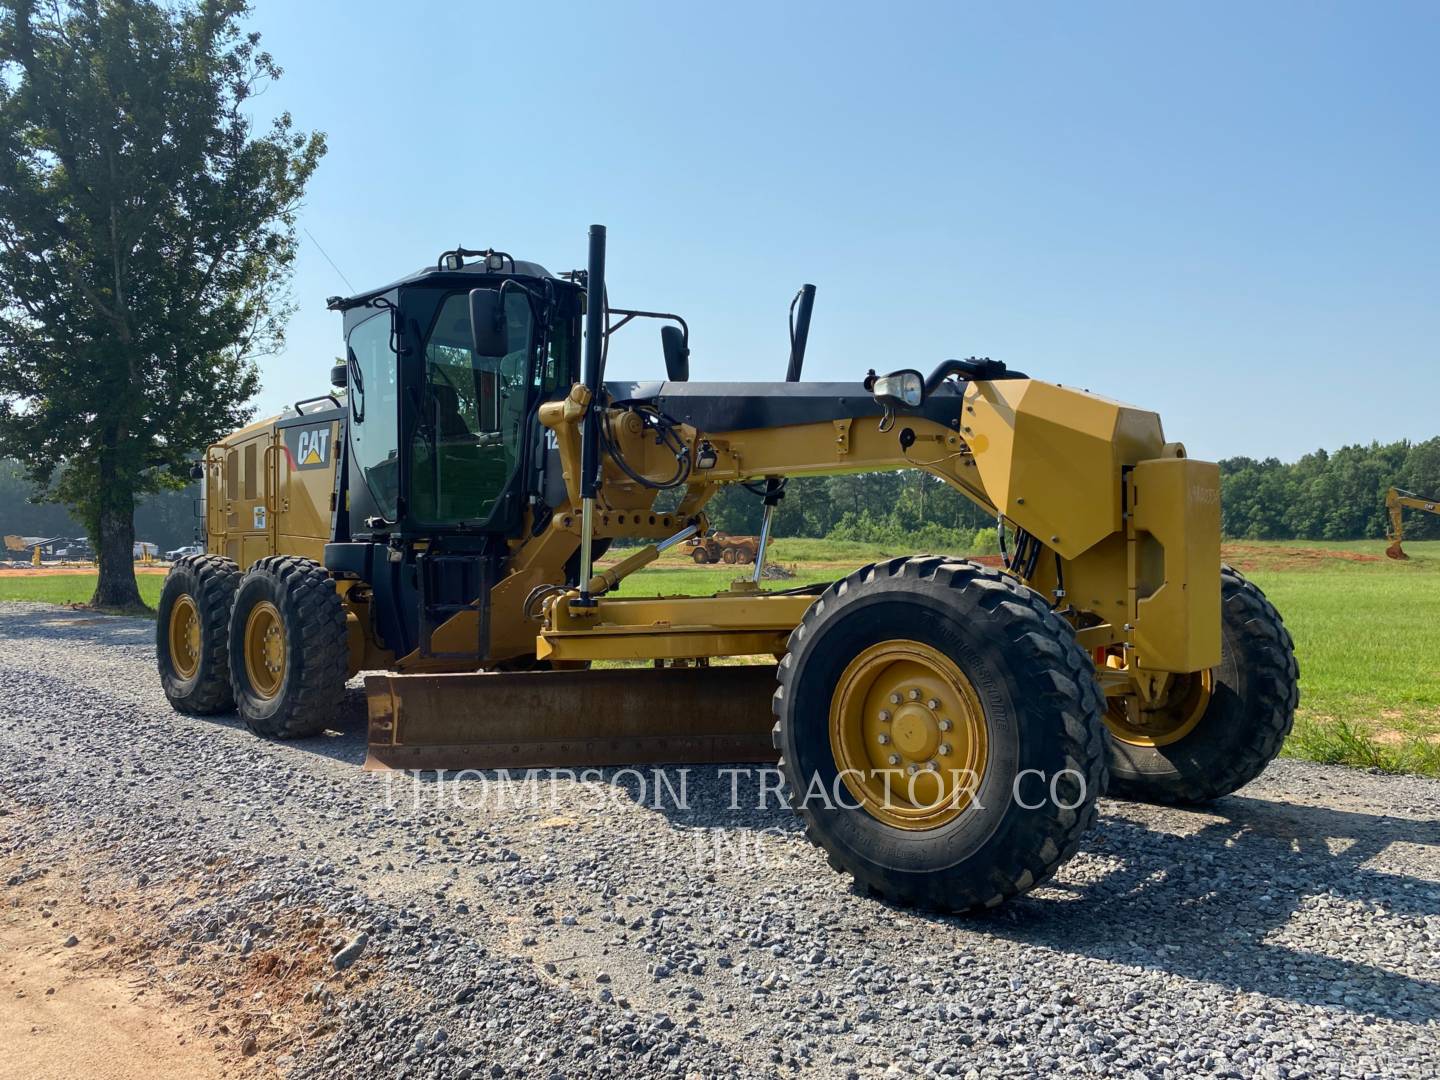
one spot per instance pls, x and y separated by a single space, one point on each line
944 728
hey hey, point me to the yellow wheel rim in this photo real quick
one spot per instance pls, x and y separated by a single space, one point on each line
908 734
1138 723
265 649
185 637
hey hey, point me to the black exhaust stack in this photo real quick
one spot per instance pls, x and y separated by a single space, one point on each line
594 376
799 330
800 309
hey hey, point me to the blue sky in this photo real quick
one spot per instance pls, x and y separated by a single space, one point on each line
1225 212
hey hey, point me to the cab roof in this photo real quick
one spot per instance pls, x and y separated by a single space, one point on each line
436 275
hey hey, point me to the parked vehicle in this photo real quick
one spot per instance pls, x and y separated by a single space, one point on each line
721 547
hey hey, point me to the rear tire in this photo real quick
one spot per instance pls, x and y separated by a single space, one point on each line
1036 705
1251 709
288 651
191 634
728 556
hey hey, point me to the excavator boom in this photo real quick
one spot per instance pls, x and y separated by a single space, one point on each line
1396 502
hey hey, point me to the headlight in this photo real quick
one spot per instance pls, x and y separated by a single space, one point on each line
900 389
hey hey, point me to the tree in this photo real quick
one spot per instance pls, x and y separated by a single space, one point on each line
146 239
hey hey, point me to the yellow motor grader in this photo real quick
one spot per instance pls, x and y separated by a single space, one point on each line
944 728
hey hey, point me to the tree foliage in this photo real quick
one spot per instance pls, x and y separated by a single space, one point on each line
146 239
879 507
166 518
1328 496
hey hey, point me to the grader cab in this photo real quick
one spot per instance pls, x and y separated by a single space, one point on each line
944 728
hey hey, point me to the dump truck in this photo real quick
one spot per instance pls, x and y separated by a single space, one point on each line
721 547
944 728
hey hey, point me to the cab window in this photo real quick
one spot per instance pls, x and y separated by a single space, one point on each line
472 418
374 409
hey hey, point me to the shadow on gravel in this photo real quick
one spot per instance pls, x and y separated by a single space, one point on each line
345 744
1217 905
1265 897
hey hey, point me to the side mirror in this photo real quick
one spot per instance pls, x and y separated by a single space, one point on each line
340 376
900 389
489 335
197 471
677 353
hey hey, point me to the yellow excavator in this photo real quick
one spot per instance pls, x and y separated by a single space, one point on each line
944 728
1397 501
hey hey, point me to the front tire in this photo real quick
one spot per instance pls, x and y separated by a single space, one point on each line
191 634
1240 726
952 662
288 651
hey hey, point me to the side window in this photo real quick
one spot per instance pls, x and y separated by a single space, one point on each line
374 409
558 371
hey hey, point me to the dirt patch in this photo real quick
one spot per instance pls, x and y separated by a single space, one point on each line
66 1017
1247 557
97 982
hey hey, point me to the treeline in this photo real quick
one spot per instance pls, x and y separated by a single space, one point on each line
166 519
1329 496
1323 496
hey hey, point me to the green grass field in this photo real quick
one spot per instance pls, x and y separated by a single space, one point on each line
1366 630
1367 636
70 588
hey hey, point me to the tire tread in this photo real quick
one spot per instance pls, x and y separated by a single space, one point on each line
1027 623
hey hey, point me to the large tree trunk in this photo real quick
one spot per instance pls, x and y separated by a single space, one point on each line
115 542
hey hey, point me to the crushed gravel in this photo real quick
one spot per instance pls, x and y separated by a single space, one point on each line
604 924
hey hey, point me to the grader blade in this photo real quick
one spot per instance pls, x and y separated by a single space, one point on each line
634 716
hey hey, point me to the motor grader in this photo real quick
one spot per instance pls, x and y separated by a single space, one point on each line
944 728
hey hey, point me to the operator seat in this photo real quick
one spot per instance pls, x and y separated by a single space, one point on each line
449 421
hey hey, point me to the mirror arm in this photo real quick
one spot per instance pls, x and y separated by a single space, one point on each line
537 303
630 314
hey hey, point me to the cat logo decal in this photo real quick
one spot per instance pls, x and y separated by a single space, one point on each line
308 448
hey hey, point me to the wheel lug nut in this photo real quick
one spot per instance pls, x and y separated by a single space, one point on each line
884 738
945 749
914 695
884 716
932 704
932 766
912 768
945 725
894 699
894 759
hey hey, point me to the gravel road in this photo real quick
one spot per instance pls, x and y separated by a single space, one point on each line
592 927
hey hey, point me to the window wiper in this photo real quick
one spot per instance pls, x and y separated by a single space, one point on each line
357 380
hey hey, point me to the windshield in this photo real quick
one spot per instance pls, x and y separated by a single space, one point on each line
472 416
